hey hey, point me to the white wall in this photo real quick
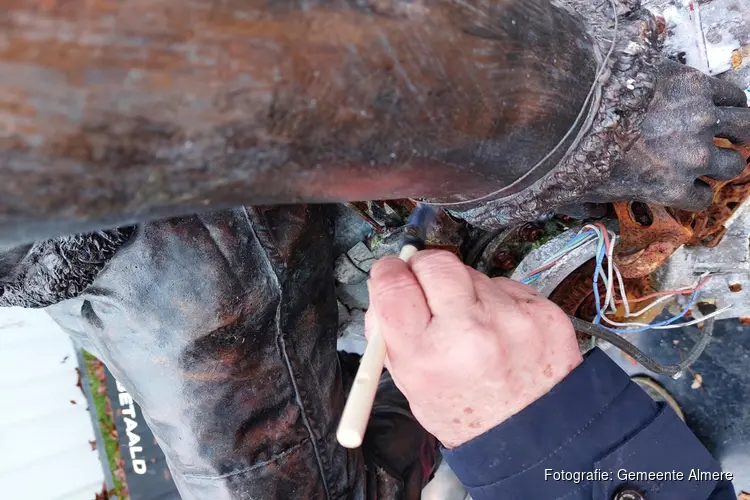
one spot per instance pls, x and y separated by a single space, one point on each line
44 438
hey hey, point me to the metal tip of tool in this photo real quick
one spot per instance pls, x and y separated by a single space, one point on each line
420 220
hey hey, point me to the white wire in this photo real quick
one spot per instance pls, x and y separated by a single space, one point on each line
566 250
650 306
668 327
622 292
609 282
610 297
659 301
601 244
696 321
666 297
615 323
609 300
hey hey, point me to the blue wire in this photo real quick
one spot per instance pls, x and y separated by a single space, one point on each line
661 323
601 250
530 279
597 320
597 268
575 239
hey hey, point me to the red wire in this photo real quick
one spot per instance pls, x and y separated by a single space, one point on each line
543 268
552 264
655 294
605 233
666 292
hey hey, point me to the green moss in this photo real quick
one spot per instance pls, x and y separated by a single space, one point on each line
107 425
552 228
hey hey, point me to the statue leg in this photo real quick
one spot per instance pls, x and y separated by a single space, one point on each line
223 328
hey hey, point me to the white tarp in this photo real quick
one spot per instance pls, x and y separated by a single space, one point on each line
44 438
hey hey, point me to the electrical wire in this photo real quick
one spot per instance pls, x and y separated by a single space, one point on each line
674 371
613 336
609 299
655 303
594 87
576 241
679 291
644 326
623 294
605 248
606 242
597 299
697 321
633 327
666 296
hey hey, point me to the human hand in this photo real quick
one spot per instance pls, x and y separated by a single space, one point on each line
467 351
676 145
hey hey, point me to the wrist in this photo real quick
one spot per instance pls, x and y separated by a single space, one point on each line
494 412
622 97
571 417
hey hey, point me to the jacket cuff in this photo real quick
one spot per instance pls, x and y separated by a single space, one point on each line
665 446
594 418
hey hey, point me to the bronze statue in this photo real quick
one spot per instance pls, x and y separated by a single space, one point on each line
222 325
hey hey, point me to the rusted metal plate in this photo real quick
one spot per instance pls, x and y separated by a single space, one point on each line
644 246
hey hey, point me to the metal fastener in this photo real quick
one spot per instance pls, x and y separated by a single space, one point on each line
628 494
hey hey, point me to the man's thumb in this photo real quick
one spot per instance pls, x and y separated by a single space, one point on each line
400 307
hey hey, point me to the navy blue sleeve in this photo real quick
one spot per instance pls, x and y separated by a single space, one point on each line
593 434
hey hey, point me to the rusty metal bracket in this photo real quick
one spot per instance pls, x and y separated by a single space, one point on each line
647 239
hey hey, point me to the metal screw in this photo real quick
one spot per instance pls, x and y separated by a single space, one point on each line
505 261
531 232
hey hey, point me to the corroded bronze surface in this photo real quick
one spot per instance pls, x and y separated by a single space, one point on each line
112 112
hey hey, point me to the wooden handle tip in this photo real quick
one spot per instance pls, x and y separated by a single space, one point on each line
349 438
